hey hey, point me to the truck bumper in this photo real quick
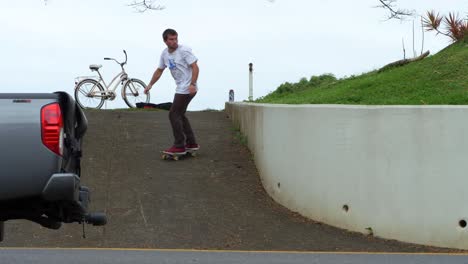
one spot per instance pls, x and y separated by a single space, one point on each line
62 187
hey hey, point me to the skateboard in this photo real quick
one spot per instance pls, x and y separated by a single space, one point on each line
168 156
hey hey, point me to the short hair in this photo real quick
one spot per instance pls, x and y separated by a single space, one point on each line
168 32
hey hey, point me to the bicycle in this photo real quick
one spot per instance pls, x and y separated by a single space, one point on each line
90 93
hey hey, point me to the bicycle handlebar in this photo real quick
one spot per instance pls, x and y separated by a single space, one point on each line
125 57
121 64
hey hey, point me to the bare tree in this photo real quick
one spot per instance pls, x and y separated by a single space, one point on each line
140 5
394 12
144 5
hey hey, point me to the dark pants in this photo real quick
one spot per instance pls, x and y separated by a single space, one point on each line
180 125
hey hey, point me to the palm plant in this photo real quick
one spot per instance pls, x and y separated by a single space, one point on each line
456 28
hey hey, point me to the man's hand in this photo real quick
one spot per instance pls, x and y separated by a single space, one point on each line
192 89
148 88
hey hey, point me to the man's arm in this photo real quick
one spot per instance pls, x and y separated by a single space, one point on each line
193 82
156 75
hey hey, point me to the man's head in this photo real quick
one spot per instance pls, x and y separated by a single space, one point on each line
170 38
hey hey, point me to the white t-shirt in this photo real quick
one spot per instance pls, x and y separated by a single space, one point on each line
178 63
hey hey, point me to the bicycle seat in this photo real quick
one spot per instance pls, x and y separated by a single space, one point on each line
95 67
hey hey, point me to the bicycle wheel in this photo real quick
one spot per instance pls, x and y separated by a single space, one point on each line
133 92
85 98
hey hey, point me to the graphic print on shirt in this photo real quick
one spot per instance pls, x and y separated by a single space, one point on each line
172 64
175 71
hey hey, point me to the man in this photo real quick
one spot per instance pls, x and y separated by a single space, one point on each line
183 66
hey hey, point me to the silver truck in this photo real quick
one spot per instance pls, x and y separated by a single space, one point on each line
40 141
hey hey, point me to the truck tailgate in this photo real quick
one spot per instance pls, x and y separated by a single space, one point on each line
25 163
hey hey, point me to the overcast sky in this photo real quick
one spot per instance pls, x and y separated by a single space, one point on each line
44 47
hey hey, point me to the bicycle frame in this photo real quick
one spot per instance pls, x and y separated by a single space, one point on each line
123 77
96 87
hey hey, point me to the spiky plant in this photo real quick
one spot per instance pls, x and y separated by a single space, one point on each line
456 28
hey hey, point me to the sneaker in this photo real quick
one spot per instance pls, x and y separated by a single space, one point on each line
192 147
175 150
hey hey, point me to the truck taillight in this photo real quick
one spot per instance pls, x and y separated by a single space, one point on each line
52 128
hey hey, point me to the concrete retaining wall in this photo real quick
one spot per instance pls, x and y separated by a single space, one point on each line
400 172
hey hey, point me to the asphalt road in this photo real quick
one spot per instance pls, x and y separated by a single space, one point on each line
214 201
55 256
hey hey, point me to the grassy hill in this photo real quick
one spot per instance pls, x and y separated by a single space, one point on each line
438 79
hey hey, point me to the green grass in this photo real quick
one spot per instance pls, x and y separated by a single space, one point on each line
239 137
438 79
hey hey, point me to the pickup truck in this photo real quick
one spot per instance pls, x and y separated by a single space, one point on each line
40 142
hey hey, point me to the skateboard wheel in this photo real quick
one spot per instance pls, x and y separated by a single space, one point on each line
176 158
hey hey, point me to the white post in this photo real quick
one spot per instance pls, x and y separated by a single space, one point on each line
250 82
231 95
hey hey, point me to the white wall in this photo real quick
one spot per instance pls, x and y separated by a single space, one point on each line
402 170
